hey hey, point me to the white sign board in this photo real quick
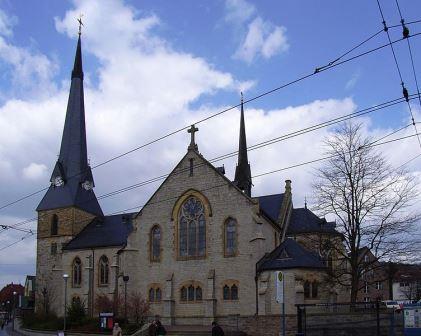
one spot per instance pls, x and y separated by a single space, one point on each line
280 283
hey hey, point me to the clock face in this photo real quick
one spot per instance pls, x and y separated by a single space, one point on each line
87 185
58 181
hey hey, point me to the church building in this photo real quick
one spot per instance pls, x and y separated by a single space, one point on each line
202 248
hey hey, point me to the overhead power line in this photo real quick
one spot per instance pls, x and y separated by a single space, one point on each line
372 144
406 33
405 36
317 70
251 148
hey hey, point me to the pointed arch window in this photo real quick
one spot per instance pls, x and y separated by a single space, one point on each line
183 294
54 225
230 291
192 229
191 292
311 289
77 272
104 270
155 243
155 293
230 234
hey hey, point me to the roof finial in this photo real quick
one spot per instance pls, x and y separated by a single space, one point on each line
80 23
193 129
305 202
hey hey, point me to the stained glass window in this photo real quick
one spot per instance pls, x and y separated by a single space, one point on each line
77 272
151 295
226 292
103 270
191 293
183 294
314 289
192 229
155 243
198 293
230 236
234 292
158 295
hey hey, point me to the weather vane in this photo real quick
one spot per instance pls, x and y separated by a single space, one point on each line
80 23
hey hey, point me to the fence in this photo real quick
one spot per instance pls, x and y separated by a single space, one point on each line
348 319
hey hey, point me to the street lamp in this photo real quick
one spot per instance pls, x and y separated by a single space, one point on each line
125 279
65 277
13 311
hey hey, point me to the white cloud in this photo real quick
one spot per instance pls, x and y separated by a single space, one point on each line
6 23
275 42
31 72
260 38
238 11
350 84
34 171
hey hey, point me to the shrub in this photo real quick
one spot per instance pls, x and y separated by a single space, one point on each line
76 312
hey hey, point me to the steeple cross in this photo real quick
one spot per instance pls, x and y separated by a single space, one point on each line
193 129
80 23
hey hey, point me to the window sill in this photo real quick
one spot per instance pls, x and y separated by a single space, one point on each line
103 285
179 258
191 302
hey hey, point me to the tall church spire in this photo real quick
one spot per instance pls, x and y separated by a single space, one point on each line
243 171
72 181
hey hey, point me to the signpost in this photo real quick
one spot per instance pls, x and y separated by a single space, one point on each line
280 289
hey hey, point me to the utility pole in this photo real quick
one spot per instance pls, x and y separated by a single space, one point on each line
65 277
125 279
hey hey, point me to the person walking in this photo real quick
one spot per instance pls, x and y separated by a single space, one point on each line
217 330
160 329
117 330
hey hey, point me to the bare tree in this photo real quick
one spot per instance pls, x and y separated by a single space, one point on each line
138 308
370 201
412 290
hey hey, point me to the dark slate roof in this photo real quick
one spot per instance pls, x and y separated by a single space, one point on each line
103 231
271 205
303 220
72 164
289 255
70 195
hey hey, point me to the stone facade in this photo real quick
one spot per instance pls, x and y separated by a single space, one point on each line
50 266
255 236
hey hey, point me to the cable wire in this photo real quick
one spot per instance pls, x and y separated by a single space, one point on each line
372 144
404 89
253 147
333 64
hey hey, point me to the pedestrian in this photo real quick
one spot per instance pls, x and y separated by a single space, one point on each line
160 329
117 330
217 330
2 325
152 329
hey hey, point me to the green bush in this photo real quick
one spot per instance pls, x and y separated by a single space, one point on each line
42 321
76 313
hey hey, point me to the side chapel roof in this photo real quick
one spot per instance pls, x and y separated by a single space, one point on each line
289 254
103 231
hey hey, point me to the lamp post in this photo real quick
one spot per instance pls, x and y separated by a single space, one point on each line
125 279
65 277
13 311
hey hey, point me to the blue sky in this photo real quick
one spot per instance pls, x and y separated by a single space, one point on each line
154 66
